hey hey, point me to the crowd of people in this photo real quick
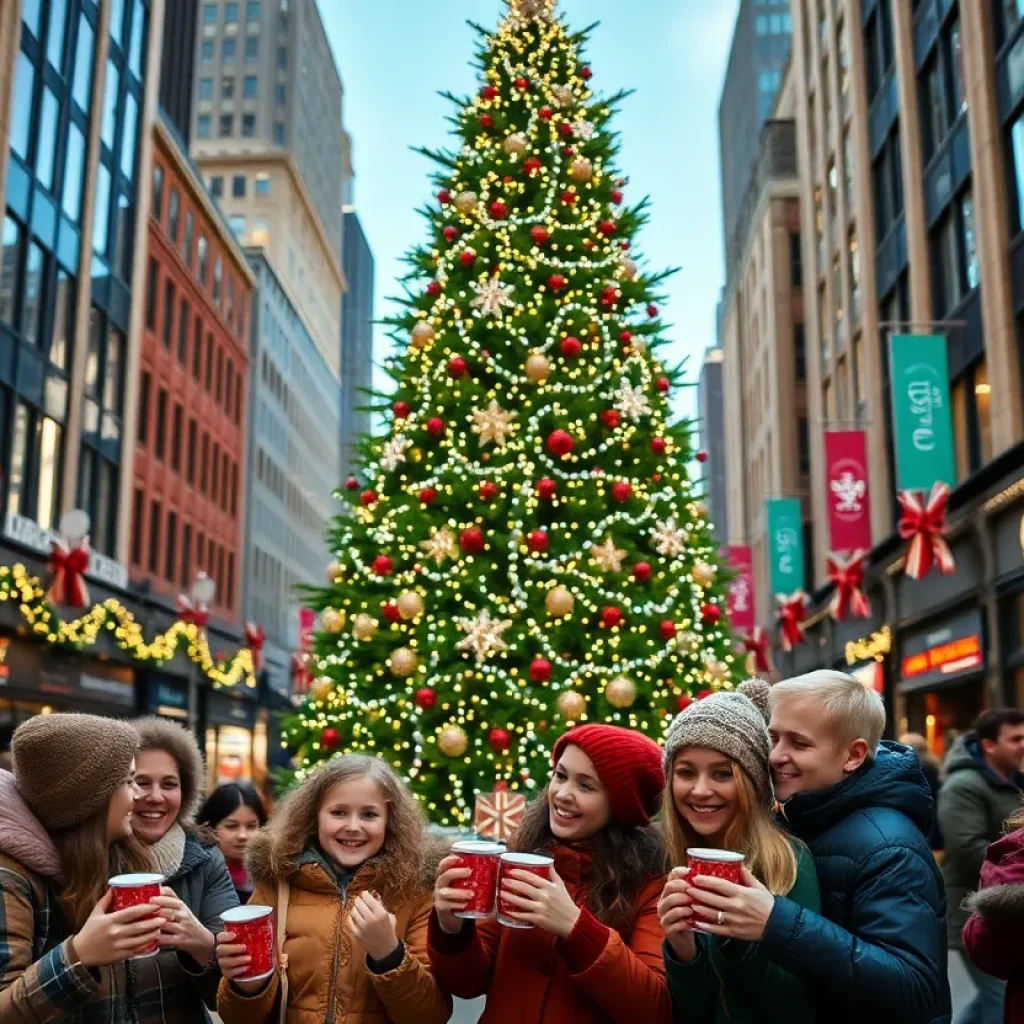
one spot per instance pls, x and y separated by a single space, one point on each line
840 911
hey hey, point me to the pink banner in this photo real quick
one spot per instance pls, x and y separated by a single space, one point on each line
739 604
847 494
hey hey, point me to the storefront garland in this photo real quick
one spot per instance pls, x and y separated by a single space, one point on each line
79 634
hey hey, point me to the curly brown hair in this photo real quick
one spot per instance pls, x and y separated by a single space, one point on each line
623 861
400 872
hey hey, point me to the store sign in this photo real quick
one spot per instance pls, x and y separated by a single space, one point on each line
785 545
30 534
739 602
954 650
847 497
65 677
921 415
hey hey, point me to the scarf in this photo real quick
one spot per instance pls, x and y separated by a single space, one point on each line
167 853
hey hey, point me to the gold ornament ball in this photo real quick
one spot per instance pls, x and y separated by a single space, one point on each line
332 620
581 169
620 692
364 627
453 741
516 144
410 604
572 705
629 268
333 572
403 662
422 335
321 690
465 202
538 368
704 573
639 346
718 670
559 602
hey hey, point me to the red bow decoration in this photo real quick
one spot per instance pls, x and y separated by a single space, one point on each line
924 525
197 614
758 643
255 638
848 576
68 566
301 676
792 612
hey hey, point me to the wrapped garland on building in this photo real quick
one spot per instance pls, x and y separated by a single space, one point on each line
524 550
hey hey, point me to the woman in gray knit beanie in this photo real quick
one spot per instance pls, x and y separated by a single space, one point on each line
719 797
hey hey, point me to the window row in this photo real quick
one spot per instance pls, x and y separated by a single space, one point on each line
253 12
229 52
250 89
773 24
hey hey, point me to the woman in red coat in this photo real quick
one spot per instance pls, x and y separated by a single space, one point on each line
994 934
593 955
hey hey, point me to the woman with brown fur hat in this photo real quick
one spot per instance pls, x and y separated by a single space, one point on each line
198 887
348 867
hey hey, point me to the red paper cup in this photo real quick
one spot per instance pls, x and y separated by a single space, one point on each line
135 891
482 859
532 862
716 864
253 927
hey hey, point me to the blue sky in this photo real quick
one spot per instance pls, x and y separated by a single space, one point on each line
395 55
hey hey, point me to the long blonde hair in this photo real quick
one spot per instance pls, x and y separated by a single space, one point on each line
770 854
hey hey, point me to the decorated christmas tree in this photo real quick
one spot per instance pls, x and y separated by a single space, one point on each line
524 549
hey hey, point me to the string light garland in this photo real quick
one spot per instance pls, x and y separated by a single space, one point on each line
110 618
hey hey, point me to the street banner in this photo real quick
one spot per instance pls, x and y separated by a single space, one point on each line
739 602
848 497
921 417
785 545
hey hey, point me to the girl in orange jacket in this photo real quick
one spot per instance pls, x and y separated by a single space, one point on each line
593 955
343 859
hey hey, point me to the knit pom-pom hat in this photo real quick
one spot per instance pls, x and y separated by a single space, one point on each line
733 722
67 767
628 765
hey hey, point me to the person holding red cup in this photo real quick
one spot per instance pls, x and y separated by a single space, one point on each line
732 860
65 830
578 896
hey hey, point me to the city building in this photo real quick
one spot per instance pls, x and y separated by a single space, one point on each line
268 136
911 140
356 339
762 337
711 417
760 46
177 63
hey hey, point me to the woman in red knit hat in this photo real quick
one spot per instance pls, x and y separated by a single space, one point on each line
593 953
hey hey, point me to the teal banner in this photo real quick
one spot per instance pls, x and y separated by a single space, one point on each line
785 545
920 411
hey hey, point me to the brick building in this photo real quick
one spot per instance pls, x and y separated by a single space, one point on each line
188 488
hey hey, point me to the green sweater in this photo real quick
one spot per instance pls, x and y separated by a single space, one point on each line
732 982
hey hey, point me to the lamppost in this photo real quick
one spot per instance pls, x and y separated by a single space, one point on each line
201 595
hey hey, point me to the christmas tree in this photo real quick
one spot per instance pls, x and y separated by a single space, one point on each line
525 550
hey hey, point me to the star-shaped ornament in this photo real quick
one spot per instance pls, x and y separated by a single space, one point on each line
534 10
441 545
564 96
607 556
669 539
492 296
483 636
631 401
493 424
393 453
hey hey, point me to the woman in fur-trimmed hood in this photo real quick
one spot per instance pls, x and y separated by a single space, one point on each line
994 934
349 868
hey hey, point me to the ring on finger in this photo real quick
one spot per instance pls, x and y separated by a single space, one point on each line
721 917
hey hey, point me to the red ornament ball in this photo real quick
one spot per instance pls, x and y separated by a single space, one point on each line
425 698
500 740
486 120
435 426
537 542
684 701
444 197
351 484
540 235
546 489
540 670
329 738
642 572
467 257
531 165
545 113
586 74
609 296
428 495
434 288
569 197
710 613
702 455
663 384
565 129
611 616
608 228
401 410
383 566
621 491
626 337
390 612
610 418
617 197
471 540
457 367
652 311
556 282
499 211
658 445
704 694
451 233
488 490
368 498
522 83
560 443
489 92
571 347
668 629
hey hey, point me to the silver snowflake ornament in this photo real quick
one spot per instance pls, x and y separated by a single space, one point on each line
584 130
668 539
393 453
632 402
483 636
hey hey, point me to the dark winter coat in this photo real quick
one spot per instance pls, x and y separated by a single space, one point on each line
974 805
877 951
994 935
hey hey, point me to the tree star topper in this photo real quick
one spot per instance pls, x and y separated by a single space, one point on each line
492 423
483 635
440 546
534 10
607 556
668 539
492 296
